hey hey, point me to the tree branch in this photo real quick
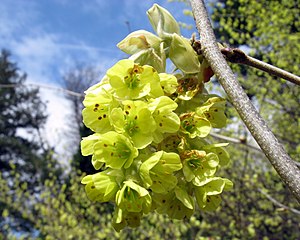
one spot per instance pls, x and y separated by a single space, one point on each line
234 140
66 91
273 200
236 55
274 151
239 141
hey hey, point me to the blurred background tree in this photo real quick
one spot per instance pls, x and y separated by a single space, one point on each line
78 79
260 206
269 31
22 117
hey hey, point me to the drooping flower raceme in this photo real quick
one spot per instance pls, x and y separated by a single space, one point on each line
150 129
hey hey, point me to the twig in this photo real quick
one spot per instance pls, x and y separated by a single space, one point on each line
76 94
234 140
273 200
281 161
239 141
236 55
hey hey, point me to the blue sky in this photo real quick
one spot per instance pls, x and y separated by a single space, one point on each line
47 37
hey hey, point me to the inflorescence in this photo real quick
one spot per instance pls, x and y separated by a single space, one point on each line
150 127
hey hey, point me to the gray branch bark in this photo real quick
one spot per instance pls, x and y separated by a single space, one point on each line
273 150
236 55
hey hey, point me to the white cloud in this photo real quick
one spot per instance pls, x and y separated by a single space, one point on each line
58 108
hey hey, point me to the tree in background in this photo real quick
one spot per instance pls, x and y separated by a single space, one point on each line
64 212
22 149
260 205
22 116
78 79
269 30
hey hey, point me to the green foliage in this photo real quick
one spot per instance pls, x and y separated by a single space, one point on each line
62 211
135 111
271 32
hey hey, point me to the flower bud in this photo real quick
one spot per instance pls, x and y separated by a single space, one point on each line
149 57
139 40
162 22
183 55
168 82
